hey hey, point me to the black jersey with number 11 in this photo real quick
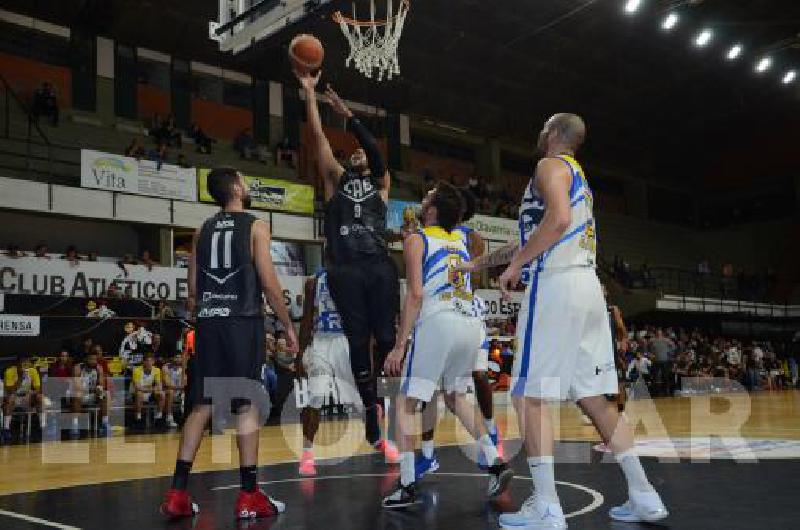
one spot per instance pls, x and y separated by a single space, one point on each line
227 281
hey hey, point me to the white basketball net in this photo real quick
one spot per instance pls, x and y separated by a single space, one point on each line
373 43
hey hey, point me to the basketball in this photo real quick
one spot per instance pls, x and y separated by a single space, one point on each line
306 53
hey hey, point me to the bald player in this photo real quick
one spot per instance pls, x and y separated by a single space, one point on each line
562 329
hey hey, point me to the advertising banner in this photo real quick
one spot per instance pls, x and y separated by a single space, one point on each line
268 194
19 326
111 172
55 277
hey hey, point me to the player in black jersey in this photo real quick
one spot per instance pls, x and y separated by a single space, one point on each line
361 275
229 270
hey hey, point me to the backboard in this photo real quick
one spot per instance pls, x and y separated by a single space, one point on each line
243 23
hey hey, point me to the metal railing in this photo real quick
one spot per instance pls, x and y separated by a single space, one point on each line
39 155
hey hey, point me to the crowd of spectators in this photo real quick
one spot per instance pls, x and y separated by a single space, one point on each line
74 257
678 360
41 251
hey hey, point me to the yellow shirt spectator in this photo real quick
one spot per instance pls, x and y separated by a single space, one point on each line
144 381
30 381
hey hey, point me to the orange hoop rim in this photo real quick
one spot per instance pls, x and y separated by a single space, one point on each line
339 18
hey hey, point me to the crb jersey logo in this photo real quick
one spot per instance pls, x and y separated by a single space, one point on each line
208 312
358 189
225 223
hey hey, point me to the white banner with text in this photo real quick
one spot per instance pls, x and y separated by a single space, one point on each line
111 172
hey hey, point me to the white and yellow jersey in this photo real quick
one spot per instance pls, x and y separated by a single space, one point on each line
444 288
578 246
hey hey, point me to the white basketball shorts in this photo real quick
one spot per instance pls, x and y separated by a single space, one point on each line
564 345
327 363
443 348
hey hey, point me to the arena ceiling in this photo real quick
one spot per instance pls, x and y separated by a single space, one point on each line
656 104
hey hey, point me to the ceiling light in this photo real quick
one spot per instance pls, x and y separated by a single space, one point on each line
670 21
703 38
734 52
632 6
790 76
763 65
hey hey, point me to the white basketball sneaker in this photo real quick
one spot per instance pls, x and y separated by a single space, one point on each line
535 514
642 506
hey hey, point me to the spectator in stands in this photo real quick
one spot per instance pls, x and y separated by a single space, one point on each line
245 144
639 368
45 103
285 153
92 256
202 141
159 155
183 162
22 386
62 367
164 310
147 260
157 347
72 256
473 185
663 349
41 251
147 388
174 132
135 149
13 251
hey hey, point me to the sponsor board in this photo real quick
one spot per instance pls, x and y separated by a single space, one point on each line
123 174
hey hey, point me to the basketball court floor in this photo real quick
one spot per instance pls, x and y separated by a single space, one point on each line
713 470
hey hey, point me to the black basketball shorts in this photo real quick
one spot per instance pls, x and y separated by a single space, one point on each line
227 348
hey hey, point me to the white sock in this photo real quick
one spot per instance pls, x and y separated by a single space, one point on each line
491 428
138 416
427 448
633 470
407 473
544 482
489 450
308 445
42 420
105 420
75 422
7 422
158 415
170 418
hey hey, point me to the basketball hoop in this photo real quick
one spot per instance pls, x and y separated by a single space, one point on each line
373 43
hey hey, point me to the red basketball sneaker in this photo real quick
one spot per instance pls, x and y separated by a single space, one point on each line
177 504
257 504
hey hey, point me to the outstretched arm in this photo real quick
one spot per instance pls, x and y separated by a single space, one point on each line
330 170
366 140
495 258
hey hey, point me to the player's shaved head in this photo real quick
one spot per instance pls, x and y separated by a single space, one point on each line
566 129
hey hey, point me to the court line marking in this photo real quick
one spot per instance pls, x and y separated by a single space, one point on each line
37 520
597 498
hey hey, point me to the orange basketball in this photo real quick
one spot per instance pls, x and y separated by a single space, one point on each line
306 53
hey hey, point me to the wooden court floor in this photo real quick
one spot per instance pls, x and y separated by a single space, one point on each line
50 465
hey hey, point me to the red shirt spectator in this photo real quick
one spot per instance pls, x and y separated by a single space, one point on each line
63 367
